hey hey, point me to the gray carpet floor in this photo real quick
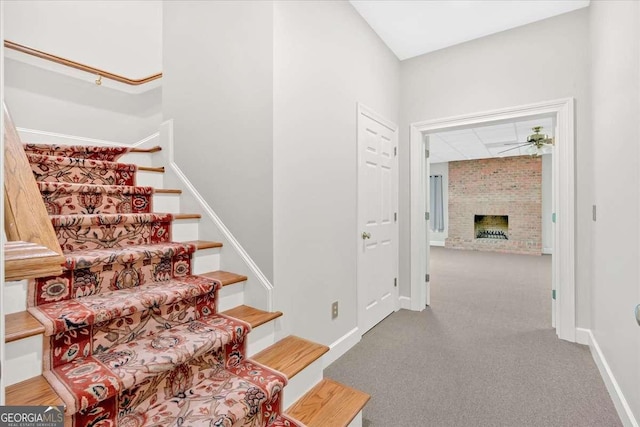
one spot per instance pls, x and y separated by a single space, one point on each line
483 353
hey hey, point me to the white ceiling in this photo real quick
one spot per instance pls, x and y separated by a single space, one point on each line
484 142
412 28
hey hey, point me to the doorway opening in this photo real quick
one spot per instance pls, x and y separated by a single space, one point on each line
562 201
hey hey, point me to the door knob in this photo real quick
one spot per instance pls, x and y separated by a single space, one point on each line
638 314
366 235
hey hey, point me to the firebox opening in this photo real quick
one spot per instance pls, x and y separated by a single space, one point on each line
491 227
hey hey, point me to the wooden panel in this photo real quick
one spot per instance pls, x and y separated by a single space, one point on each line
225 277
186 216
329 403
25 216
252 316
166 191
146 150
25 260
35 391
291 355
151 169
21 325
204 244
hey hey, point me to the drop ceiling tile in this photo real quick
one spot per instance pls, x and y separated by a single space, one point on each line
459 135
497 133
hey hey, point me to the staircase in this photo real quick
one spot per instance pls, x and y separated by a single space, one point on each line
141 328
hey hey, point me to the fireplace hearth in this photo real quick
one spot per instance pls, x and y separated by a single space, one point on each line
491 227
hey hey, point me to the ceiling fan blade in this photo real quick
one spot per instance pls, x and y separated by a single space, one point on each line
513 148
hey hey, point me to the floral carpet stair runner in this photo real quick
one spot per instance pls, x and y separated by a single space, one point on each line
132 338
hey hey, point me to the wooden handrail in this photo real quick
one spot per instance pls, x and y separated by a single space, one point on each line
78 66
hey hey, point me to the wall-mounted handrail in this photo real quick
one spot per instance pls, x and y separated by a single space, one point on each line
78 66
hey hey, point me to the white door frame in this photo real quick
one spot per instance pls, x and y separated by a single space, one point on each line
563 276
364 110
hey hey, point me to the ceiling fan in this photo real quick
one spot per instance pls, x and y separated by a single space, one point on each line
538 143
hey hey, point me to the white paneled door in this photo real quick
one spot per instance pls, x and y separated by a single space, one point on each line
377 218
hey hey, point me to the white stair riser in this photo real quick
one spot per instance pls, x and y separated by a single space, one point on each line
166 203
230 296
140 159
184 229
302 383
261 337
205 261
23 359
15 296
150 179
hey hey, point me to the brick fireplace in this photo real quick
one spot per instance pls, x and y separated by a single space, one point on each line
496 205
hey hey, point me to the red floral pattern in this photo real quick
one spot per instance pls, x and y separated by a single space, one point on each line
79 199
81 171
78 151
132 338
85 232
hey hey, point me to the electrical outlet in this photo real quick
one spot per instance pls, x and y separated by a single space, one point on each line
334 310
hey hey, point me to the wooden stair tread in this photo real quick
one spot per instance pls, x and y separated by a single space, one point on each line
291 355
204 244
151 169
225 277
167 191
253 316
25 260
21 325
329 403
35 391
186 216
146 150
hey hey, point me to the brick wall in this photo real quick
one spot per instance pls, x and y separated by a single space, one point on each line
509 186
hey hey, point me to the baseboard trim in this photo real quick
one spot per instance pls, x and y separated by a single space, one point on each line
547 251
619 401
583 336
405 302
436 243
41 136
340 346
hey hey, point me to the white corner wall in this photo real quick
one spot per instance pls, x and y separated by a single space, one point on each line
120 37
326 60
438 238
615 83
494 72
218 89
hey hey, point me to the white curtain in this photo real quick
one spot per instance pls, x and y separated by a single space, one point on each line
436 219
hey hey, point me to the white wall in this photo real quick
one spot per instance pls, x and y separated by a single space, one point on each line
615 78
547 204
438 238
218 89
120 37
326 59
496 72
123 37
